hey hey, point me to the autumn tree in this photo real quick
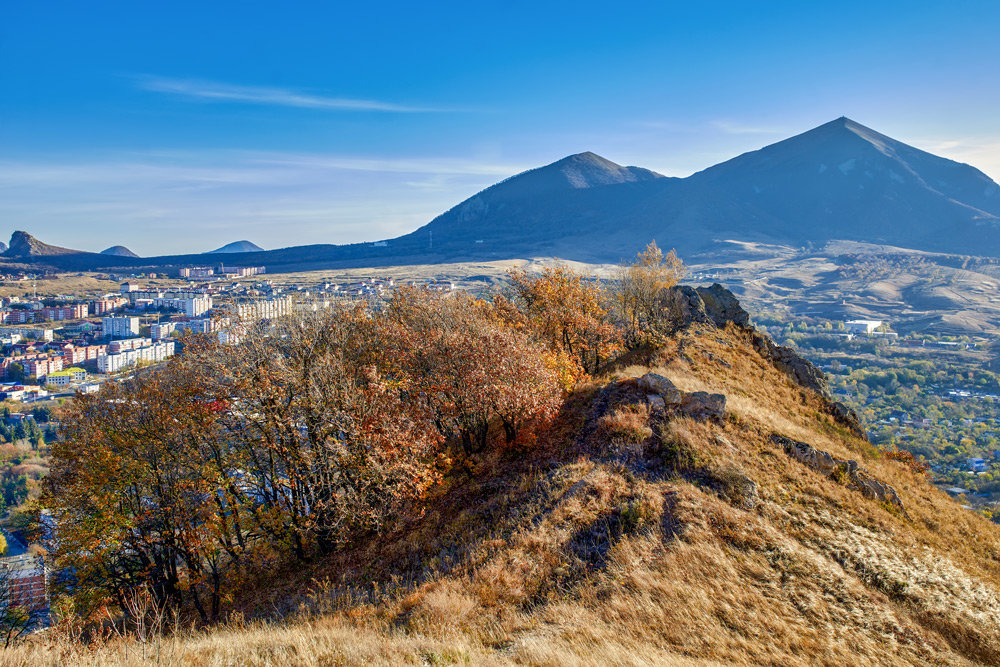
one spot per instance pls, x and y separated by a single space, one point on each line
331 445
636 288
568 313
306 434
474 370
137 498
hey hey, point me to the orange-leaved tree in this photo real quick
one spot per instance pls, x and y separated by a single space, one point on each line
636 289
568 313
138 500
473 370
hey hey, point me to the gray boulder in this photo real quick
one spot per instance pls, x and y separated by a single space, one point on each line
654 383
703 405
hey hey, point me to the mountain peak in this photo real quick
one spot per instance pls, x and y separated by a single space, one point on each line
23 244
586 170
237 246
118 251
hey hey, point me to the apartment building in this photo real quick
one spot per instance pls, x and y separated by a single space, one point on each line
65 377
191 307
107 305
29 333
197 272
241 271
81 354
74 311
120 327
19 316
152 353
117 346
28 581
200 326
254 311
42 366
162 330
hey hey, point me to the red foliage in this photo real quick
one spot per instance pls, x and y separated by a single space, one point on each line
908 460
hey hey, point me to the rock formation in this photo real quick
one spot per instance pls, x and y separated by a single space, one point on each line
683 305
841 470
661 393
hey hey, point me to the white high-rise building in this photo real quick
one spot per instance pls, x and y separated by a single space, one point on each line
120 327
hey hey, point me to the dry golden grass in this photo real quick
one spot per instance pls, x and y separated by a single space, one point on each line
625 543
68 283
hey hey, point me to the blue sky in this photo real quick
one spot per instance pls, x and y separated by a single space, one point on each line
175 127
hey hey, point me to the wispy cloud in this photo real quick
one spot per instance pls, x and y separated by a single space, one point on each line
179 201
285 97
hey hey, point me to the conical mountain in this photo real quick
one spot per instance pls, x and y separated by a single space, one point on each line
118 251
237 246
843 180
563 200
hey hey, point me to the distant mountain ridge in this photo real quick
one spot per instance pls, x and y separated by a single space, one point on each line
237 246
839 181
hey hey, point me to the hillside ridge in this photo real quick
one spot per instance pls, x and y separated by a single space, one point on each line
700 500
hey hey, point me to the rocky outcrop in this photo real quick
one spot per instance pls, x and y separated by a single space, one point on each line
683 305
662 393
680 306
654 383
841 470
24 245
848 418
788 361
722 306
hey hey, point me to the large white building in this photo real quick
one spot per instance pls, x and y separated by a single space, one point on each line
192 307
120 327
202 326
112 363
863 326
254 311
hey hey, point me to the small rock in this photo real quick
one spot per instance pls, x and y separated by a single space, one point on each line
703 405
655 402
657 384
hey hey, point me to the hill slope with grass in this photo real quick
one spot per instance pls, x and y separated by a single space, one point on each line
699 501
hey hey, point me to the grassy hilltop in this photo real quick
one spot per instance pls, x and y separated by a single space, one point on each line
648 521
